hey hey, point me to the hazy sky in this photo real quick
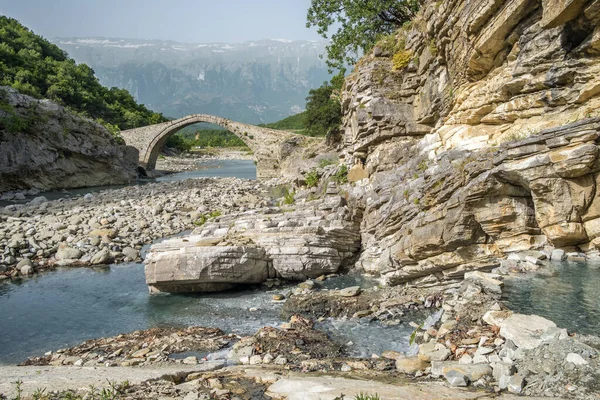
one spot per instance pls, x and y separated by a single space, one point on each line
179 20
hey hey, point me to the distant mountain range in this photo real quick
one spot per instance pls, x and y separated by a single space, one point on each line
253 82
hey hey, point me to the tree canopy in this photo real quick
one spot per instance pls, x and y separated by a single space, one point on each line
36 67
359 24
323 111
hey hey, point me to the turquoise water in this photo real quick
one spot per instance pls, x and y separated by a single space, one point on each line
244 169
568 293
65 307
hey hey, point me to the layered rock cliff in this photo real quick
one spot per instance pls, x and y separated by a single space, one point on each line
477 134
44 146
471 134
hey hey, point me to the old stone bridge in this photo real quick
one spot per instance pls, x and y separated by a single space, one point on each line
270 146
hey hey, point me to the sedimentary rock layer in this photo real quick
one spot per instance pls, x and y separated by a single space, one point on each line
483 143
295 242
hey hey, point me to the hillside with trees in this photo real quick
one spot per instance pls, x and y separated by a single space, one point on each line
36 67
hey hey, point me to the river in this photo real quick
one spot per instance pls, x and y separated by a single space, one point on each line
245 169
65 307
565 292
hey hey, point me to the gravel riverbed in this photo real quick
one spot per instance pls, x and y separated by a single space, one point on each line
113 225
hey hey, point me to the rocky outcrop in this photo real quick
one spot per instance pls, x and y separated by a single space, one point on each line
464 211
294 242
475 137
45 146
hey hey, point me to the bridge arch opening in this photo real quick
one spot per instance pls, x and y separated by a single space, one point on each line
198 135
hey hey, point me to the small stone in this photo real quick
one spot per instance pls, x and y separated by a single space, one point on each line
101 257
466 359
456 379
480 359
130 252
26 270
38 200
346 368
281 360
350 291
192 360
309 285
141 353
88 197
575 359
484 351
268 358
278 297
410 365
515 384
255 360
558 255
68 253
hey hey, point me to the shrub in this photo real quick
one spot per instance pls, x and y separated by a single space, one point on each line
401 60
288 197
433 49
341 176
312 179
326 162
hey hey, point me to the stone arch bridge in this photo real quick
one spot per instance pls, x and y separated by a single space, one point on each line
270 146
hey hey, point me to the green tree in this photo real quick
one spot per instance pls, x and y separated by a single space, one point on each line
323 111
34 66
359 24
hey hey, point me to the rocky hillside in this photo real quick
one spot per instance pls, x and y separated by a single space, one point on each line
477 131
45 146
253 82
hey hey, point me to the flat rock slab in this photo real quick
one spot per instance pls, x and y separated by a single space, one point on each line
64 378
329 388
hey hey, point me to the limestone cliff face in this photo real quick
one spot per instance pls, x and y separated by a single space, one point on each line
44 146
483 140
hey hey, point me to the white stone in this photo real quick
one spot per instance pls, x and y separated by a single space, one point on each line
575 359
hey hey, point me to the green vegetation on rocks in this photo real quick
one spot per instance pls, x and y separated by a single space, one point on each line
323 111
36 67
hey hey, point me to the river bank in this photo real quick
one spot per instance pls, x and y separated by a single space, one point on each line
112 226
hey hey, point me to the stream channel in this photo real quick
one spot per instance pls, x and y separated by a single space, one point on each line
62 308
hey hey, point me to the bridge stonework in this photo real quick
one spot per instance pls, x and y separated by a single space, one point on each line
268 145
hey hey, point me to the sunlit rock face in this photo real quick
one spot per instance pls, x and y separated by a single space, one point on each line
292 242
45 146
483 143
